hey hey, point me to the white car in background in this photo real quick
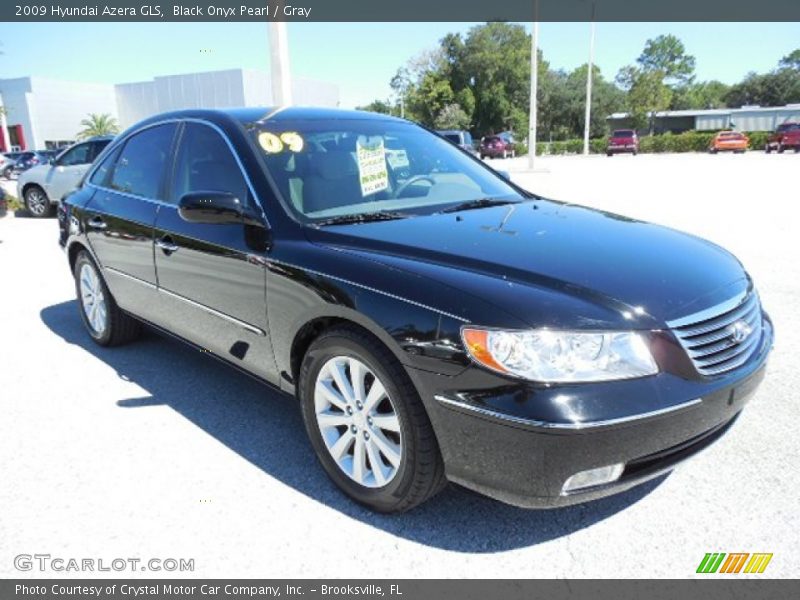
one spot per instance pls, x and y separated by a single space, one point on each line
42 188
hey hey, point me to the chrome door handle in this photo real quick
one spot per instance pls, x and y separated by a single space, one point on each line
167 245
97 223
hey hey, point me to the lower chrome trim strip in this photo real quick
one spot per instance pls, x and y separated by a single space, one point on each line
131 277
203 307
571 426
216 313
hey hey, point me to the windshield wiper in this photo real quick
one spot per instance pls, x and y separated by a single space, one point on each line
480 203
368 217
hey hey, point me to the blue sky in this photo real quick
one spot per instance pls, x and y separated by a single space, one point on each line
359 57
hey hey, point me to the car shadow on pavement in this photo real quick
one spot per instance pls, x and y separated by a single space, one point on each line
265 428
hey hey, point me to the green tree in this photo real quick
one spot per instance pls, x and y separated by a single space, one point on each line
96 125
791 61
667 55
704 94
607 98
647 94
452 116
378 106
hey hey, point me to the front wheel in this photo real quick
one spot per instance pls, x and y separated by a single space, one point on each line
106 323
37 202
366 422
780 148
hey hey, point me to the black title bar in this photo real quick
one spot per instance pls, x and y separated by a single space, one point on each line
401 10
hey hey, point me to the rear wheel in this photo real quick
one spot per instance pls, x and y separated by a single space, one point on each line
105 322
780 148
37 202
367 423
767 148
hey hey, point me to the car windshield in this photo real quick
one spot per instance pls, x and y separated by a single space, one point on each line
453 137
789 127
326 169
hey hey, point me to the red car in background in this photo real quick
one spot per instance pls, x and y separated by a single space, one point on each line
787 135
497 146
623 140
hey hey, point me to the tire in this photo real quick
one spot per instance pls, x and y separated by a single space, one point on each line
635 153
780 148
108 325
411 471
37 203
609 154
767 148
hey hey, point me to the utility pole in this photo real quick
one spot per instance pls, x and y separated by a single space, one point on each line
588 119
534 104
279 64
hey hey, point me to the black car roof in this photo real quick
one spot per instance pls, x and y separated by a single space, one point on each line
254 115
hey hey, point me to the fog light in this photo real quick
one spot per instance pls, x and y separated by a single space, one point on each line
593 477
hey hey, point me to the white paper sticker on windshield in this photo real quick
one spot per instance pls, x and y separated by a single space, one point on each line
398 159
371 164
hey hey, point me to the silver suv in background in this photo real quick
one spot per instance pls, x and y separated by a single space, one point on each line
42 188
462 139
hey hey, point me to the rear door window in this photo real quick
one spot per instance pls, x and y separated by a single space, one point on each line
143 162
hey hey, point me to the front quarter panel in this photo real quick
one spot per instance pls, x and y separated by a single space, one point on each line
306 283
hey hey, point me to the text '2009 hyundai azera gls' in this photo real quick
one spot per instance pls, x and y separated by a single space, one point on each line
435 321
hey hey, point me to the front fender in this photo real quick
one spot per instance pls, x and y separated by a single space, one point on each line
419 336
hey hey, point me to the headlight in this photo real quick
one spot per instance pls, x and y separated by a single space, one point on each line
561 356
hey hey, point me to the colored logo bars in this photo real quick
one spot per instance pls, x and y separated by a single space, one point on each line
717 562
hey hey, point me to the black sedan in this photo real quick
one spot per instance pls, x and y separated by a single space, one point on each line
435 321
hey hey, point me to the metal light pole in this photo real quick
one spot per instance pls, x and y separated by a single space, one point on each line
534 105
588 118
279 64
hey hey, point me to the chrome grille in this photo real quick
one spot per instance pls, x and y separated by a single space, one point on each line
709 336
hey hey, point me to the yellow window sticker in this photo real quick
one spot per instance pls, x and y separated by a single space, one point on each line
293 141
372 171
270 142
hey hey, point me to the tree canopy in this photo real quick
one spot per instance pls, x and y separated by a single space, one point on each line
480 81
94 125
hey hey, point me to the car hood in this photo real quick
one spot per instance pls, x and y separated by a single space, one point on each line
555 264
37 172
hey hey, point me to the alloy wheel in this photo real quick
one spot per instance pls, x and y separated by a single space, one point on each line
37 202
93 300
358 422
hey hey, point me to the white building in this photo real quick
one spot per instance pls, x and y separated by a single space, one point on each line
46 113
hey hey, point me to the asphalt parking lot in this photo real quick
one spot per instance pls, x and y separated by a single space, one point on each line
155 450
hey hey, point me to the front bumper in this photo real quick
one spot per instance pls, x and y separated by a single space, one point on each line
518 443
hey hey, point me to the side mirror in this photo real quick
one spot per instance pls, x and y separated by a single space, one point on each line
211 207
504 174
